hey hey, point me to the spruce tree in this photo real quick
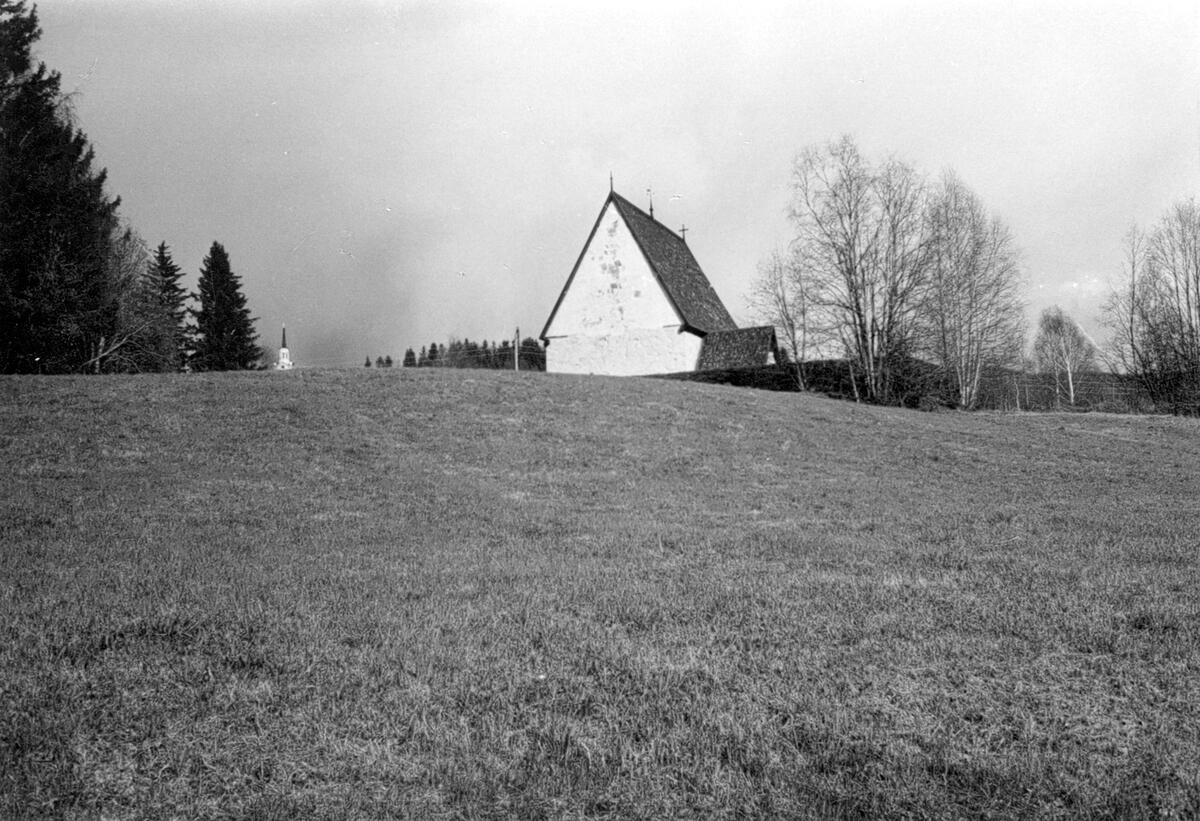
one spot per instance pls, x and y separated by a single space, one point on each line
59 303
410 358
144 338
533 358
225 338
165 276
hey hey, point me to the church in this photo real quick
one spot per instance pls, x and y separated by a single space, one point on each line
284 362
637 303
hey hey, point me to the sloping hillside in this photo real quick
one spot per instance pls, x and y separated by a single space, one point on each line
475 594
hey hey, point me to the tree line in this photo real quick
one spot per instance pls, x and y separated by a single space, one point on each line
1153 312
463 353
79 290
887 267
918 289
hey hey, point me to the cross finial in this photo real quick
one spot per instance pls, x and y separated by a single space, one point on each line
650 194
683 234
610 182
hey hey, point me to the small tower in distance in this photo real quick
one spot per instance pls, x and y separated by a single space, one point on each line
284 362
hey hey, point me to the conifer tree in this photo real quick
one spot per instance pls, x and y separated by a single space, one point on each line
165 275
410 359
225 338
533 358
144 337
58 301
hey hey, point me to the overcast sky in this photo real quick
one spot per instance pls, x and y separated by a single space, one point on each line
384 175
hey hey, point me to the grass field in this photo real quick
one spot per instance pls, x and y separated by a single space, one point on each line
468 594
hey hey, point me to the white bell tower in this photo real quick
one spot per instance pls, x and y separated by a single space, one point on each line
285 357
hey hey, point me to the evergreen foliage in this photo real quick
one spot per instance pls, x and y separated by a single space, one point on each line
58 299
225 338
533 356
463 353
144 337
502 355
165 275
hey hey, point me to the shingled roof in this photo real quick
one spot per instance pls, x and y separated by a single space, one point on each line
686 286
672 261
739 348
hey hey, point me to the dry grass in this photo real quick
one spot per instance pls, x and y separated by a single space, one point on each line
482 595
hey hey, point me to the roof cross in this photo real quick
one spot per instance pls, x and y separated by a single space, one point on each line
683 233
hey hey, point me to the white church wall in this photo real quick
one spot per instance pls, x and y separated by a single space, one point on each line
635 352
615 318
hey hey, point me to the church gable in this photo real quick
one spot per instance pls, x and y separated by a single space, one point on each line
613 288
635 303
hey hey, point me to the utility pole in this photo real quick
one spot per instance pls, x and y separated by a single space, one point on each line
517 350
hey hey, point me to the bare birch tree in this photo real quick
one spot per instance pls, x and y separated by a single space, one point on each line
860 238
1153 313
1063 349
973 311
773 298
1120 313
1175 263
780 295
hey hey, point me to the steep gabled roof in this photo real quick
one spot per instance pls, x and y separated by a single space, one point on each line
671 261
741 348
677 270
